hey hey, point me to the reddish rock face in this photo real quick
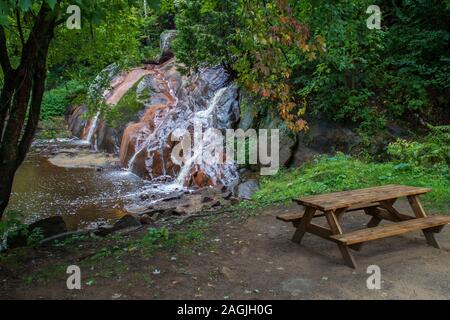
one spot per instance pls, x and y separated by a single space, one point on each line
172 102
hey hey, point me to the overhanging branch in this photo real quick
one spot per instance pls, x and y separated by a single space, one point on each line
4 58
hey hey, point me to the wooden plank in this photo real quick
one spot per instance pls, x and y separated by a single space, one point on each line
291 217
301 229
337 230
374 222
383 214
391 230
420 213
337 200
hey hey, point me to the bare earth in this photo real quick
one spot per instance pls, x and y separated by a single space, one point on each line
254 259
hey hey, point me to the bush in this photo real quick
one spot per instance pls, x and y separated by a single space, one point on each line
330 174
433 150
55 101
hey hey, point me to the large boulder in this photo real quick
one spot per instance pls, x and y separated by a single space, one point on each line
248 109
48 227
287 141
324 137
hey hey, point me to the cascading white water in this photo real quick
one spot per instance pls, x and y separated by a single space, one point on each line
203 117
93 127
193 105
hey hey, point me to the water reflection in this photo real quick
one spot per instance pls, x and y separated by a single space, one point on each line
81 196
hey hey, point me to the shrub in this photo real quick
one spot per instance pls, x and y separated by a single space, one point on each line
433 150
55 101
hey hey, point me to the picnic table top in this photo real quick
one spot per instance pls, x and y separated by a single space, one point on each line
338 200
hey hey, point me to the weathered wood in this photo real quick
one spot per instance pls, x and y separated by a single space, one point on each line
378 203
291 217
391 230
420 213
383 214
301 229
343 248
374 222
337 200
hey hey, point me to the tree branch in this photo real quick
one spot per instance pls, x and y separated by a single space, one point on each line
4 58
19 27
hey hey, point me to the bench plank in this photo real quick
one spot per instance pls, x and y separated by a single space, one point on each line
338 200
291 217
391 229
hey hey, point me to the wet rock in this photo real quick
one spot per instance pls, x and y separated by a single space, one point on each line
146 220
207 199
227 195
125 222
247 189
234 200
49 227
104 230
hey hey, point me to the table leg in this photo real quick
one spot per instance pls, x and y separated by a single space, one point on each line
420 213
301 228
373 222
336 229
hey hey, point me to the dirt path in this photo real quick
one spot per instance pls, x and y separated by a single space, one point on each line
254 259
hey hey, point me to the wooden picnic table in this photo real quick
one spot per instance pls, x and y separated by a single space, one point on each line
377 202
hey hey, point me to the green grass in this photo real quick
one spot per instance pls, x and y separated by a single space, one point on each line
329 174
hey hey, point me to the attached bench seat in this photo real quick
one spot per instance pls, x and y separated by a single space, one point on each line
293 217
391 230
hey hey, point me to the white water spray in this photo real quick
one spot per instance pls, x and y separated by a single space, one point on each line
93 127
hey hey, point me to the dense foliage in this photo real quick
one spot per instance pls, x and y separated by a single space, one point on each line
319 57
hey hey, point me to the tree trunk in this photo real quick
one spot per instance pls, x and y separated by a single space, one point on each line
20 101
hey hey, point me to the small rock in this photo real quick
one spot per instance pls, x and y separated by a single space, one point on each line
145 219
234 200
247 189
227 273
227 195
104 230
125 222
116 296
207 199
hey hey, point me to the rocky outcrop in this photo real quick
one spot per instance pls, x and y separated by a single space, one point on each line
323 137
178 103
48 227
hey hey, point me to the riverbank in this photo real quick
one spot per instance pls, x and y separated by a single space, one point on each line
232 255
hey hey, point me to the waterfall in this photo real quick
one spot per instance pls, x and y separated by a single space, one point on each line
204 117
93 127
192 104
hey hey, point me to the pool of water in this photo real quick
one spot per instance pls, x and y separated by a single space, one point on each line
81 196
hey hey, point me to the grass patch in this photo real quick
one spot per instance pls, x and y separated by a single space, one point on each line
339 173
